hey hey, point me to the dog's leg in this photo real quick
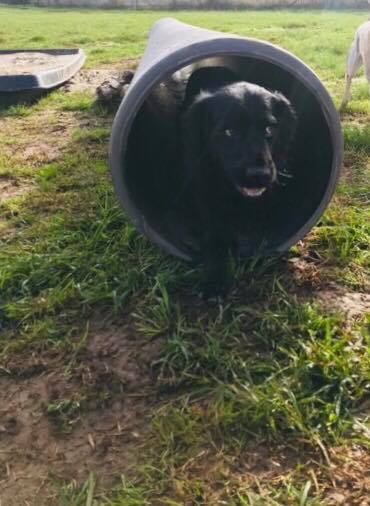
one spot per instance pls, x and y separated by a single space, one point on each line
367 69
347 93
216 229
216 259
354 62
111 91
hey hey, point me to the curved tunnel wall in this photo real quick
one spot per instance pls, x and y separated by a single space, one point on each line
144 150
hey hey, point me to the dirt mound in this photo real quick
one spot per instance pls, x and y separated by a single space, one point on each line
90 79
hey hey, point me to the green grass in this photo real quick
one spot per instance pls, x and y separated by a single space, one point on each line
357 137
70 495
269 369
114 35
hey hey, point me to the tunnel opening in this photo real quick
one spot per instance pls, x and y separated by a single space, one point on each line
152 162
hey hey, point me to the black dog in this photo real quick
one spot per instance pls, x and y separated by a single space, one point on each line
235 136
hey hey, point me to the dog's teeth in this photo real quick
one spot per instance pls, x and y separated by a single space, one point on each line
252 192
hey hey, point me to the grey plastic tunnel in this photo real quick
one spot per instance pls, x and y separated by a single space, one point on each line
144 146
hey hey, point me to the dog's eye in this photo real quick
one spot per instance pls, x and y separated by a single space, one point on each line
268 132
229 132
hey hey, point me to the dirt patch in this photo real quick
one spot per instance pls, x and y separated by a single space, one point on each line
10 188
349 174
90 79
353 304
41 152
341 477
41 137
350 475
33 141
64 425
354 119
38 138
306 269
254 469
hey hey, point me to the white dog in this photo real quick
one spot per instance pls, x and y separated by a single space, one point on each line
359 54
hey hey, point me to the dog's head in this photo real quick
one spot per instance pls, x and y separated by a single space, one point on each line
242 130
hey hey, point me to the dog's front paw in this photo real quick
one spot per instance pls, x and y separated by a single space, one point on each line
215 288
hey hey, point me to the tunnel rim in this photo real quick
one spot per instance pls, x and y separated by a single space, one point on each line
220 46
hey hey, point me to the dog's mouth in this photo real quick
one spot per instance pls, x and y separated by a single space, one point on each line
252 192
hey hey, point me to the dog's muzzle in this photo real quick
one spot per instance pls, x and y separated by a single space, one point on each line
257 181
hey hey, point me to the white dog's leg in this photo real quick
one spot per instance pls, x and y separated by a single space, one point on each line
364 47
367 66
354 62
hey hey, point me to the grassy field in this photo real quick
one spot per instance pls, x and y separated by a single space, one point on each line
118 385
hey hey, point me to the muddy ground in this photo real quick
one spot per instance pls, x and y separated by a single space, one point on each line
64 417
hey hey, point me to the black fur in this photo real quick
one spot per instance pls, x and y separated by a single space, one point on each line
235 138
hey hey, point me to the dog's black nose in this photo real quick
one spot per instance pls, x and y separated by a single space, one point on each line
259 176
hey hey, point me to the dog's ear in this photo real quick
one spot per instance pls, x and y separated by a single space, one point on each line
207 78
286 118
